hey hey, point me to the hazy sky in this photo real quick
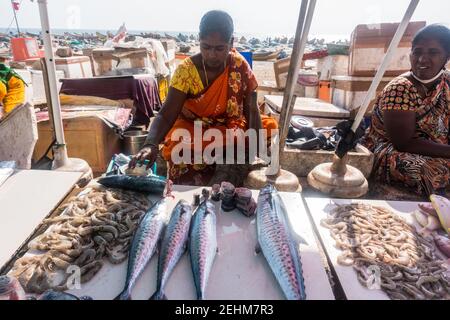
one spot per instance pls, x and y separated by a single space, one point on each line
259 17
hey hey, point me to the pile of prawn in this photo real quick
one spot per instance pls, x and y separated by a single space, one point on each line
98 223
380 244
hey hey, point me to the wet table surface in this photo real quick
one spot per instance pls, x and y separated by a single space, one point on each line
238 272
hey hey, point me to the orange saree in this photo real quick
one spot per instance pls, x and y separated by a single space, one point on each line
220 106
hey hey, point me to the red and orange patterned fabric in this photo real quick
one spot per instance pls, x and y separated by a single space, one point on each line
425 175
220 106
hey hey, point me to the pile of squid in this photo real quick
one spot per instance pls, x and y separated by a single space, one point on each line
98 223
387 253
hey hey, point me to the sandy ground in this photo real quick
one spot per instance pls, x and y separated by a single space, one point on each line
265 76
264 71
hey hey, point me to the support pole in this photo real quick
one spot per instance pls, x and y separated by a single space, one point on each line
387 59
60 151
339 179
301 36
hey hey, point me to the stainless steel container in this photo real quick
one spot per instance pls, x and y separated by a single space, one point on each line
133 141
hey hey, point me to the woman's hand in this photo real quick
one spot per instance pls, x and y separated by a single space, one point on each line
159 128
148 152
401 129
253 117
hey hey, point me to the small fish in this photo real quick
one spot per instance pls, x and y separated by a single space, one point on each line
150 184
144 244
277 244
443 244
428 209
10 289
203 245
57 295
173 245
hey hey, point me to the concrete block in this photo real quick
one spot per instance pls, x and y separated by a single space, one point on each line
18 132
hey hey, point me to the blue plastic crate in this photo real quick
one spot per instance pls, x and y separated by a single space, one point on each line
248 55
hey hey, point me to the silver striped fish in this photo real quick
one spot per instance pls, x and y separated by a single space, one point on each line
10 289
144 244
203 245
173 245
277 244
151 184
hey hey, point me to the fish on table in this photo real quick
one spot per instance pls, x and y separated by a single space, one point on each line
144 244
203 245
173 245
277 244
10 289
149 184
58 295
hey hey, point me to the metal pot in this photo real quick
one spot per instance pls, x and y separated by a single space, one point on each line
142 127
133 141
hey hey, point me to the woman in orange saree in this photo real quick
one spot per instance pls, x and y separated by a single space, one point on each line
213 89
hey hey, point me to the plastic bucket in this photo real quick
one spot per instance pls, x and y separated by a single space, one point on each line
133 141
24 49
248 55
325 91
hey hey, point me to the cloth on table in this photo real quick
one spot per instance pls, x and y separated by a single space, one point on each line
325 138
142 89
308 138
117 116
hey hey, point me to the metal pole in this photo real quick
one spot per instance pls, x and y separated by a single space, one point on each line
387 59
60 151
301 36
294 63
294 71
15 17
47 93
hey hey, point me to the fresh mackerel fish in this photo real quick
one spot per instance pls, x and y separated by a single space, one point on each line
173 245
149 184
203 245
277 244
144 244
